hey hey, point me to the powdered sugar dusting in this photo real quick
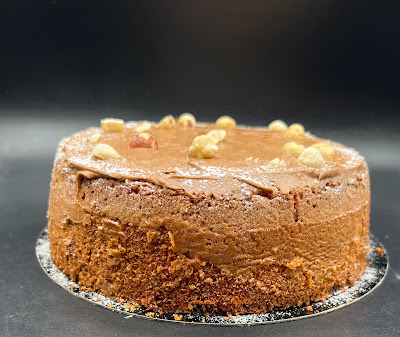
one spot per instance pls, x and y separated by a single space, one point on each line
372 277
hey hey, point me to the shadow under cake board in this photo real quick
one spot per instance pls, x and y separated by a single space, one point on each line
372 277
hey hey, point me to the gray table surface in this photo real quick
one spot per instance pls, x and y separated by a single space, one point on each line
33 305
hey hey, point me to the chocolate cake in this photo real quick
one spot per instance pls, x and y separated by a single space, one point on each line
183 217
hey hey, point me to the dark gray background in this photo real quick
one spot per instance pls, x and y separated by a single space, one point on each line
328 62
332 65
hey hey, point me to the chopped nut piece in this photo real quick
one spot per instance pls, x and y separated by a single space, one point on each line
225 122
255 160
144 140
187 120
202 147
143 127
104 151
293 148
311 157
168 122
277 126
216 136
274 163
94 138
209 150
112 125
325 149
295 131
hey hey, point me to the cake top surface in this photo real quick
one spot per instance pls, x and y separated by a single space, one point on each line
247 158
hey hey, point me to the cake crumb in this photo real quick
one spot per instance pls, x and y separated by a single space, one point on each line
152 236
379 250
177 317
310 309
230 316
98 299
110 305
296 262
201 273
150 314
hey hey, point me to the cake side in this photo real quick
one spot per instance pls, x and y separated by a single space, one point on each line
243 249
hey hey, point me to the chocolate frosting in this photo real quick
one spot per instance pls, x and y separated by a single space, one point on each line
230 171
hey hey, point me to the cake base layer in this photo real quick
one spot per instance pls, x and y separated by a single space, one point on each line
373 276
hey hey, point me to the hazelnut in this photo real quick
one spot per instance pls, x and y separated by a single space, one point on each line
293 148
225 122
216 136
168 123
187 120
311 157
94 138
325 149
112 125
143 127
104 151
277 126
202 147
144 140
295 131
274 163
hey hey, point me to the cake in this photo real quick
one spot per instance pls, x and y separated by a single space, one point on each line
184 217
